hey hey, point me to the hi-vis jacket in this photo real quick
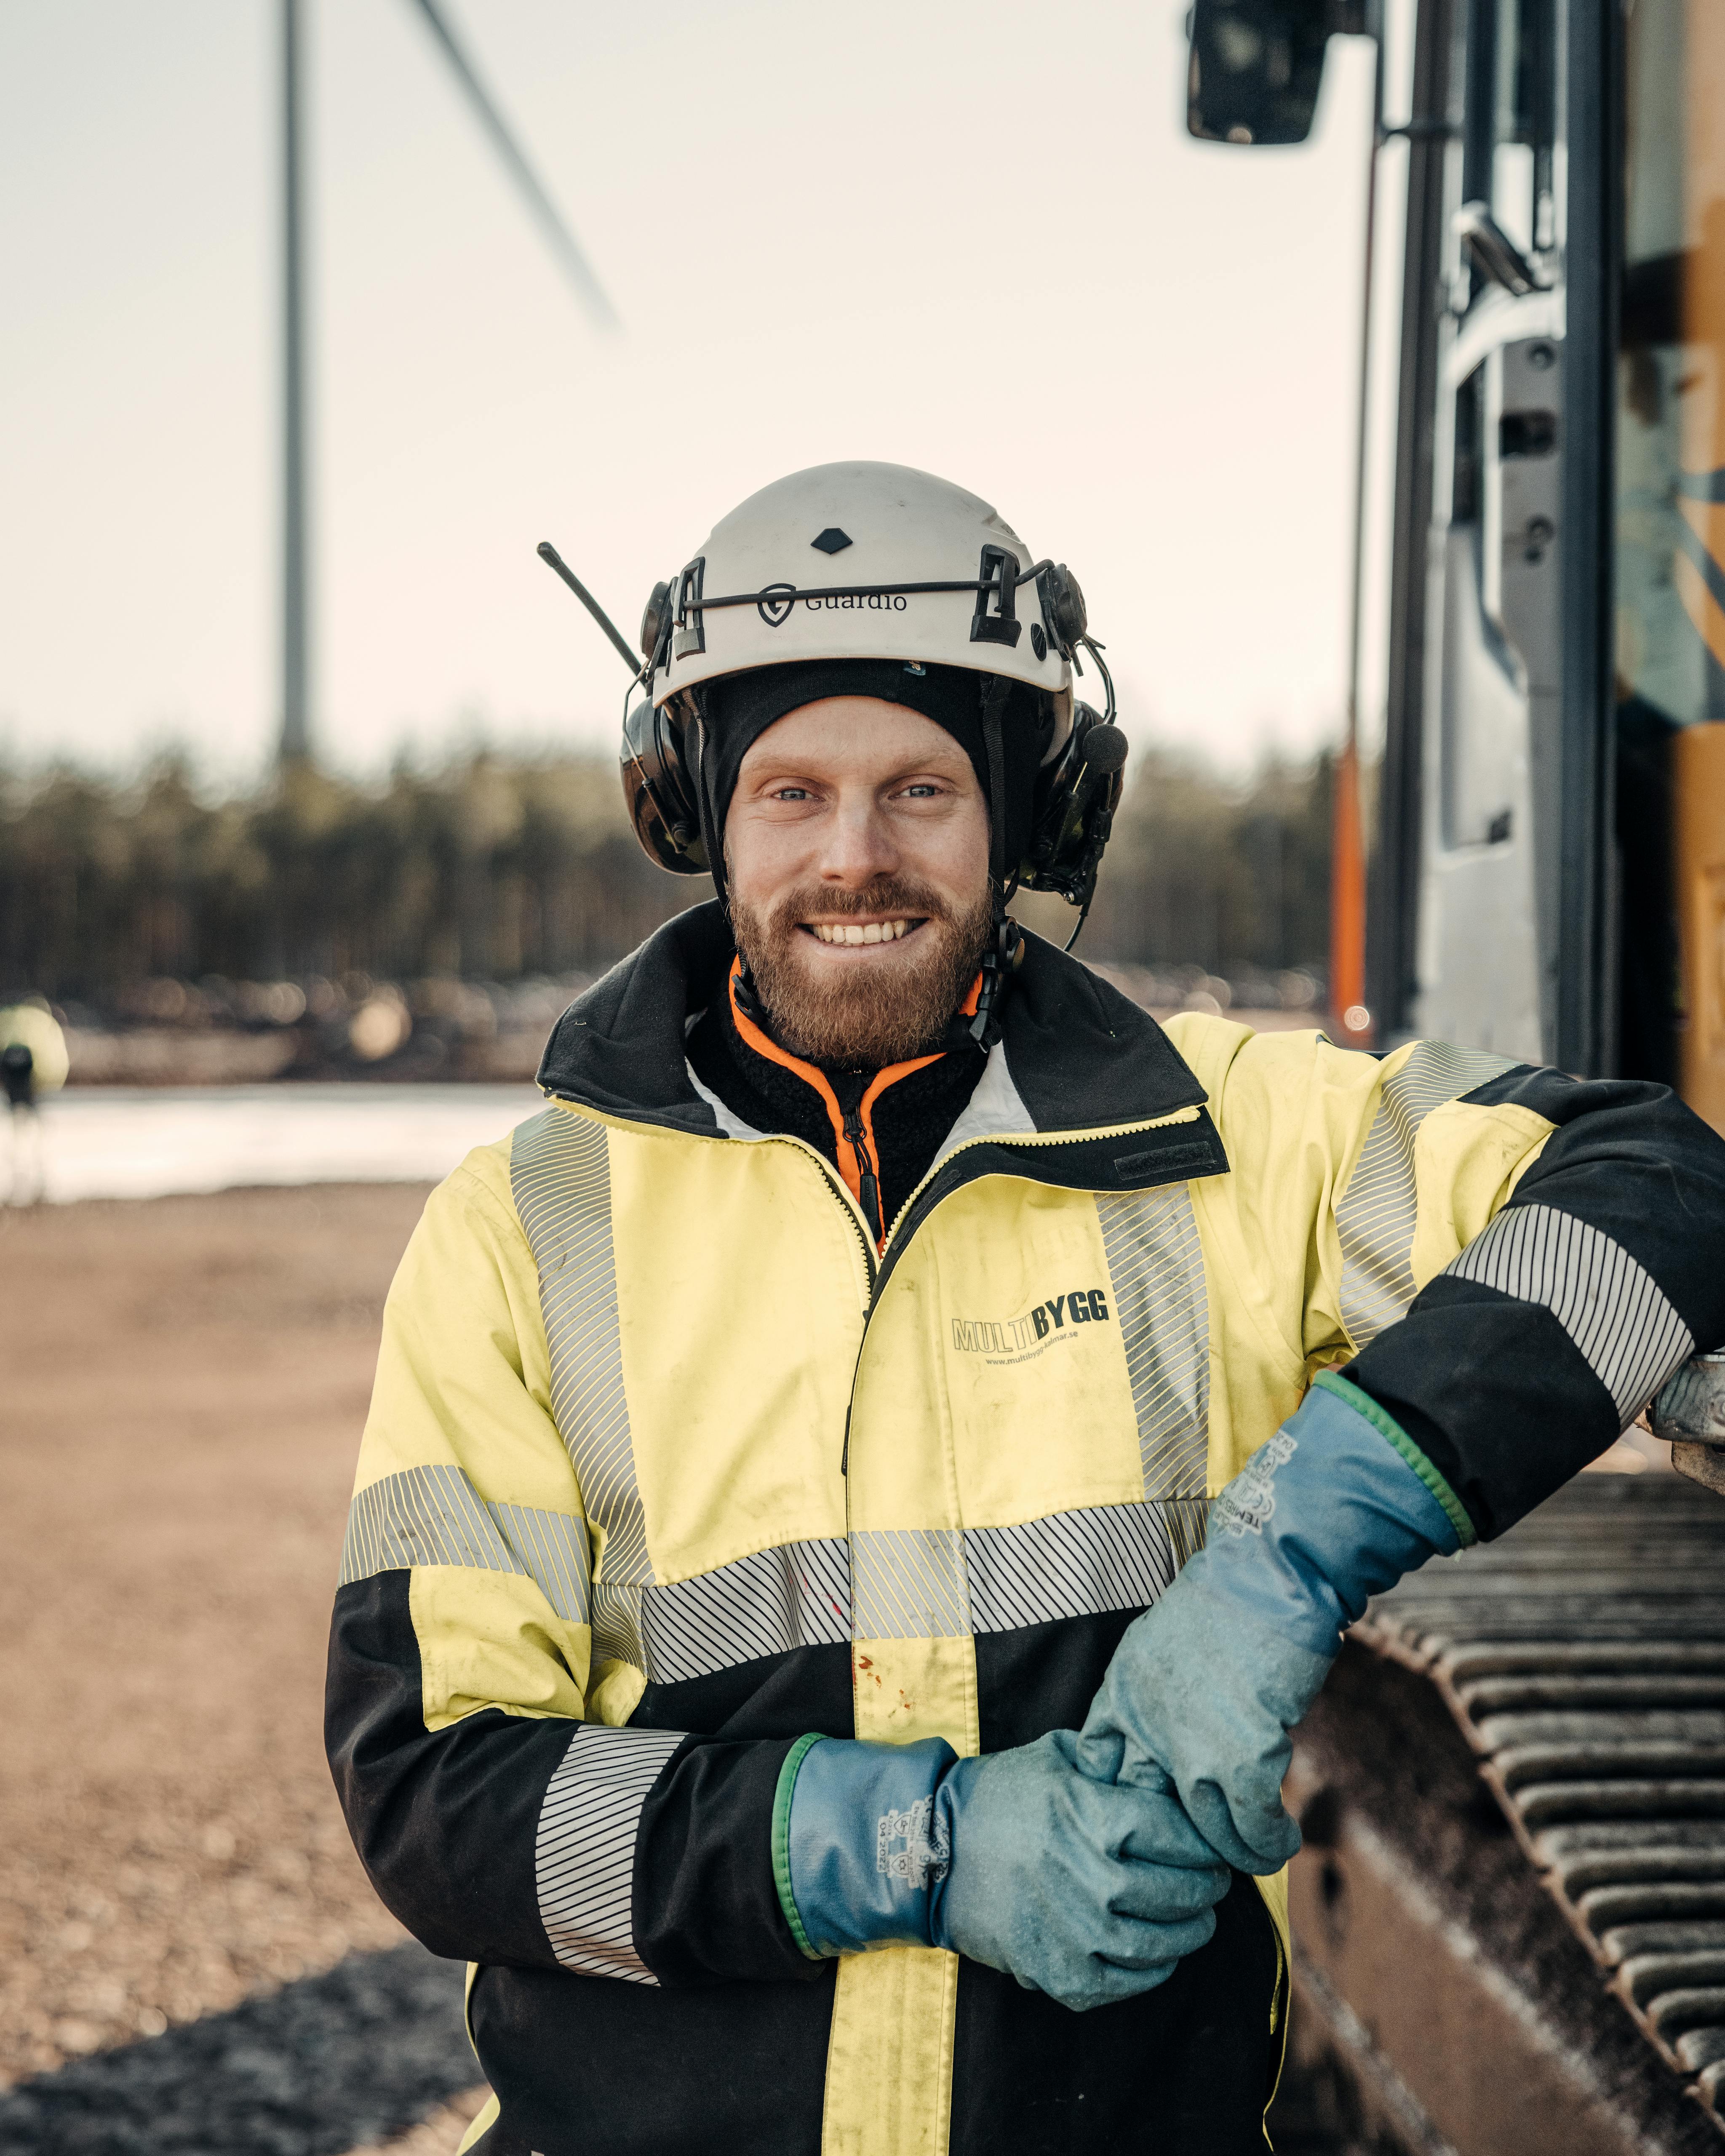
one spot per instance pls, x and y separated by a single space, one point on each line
667 1465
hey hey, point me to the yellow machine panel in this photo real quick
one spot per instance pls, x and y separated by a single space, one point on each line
1700 852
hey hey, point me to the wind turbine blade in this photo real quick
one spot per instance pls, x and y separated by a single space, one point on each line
563 241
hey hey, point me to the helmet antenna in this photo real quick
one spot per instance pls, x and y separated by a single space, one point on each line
549 555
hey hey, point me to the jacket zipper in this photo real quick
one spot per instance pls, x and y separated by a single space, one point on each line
868 1180
866 1177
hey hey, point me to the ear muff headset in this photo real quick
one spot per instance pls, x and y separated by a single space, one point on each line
658 790
1077 795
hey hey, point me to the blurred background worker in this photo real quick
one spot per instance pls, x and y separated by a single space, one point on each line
32 1061
783 1640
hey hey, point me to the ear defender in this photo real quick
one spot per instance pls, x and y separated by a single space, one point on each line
1075 801
1077 795
658 788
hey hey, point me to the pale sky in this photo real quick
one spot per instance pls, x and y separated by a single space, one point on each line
977 241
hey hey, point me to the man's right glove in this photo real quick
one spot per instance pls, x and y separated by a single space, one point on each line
1087 1892
1205 1686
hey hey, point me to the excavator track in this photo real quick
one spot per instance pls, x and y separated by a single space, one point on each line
1582 1657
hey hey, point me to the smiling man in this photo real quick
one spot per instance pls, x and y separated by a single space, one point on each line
857 844
859 1489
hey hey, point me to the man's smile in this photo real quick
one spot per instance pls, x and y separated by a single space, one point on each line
892 929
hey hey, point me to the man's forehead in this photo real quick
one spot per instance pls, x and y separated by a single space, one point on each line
853 732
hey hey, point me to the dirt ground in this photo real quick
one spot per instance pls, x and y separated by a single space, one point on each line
182 1383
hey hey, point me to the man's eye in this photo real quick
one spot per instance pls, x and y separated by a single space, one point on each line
791 793
923 792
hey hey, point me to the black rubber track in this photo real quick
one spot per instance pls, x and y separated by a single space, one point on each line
364 2051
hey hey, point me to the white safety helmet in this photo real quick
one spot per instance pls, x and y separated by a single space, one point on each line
867 561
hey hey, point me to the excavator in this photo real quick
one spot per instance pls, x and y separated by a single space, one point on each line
1510 1909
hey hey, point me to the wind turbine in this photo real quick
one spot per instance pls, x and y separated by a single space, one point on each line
296 741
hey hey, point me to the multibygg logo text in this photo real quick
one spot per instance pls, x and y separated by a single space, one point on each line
1010 1336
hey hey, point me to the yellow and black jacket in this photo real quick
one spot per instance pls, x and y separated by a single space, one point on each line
669 1464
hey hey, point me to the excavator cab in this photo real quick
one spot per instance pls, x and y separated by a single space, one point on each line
1547 880
1552 793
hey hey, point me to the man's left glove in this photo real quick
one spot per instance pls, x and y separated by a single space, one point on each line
1204 1687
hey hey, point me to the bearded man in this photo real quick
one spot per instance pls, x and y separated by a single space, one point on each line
858 1488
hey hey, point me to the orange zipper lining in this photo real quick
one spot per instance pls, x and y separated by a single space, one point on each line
849 1166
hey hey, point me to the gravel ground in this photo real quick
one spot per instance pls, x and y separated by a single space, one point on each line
183 1385
359 2053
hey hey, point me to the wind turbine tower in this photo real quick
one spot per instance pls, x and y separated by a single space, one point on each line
296 741
295 626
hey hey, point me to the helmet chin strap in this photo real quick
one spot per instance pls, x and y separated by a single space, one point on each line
1001 952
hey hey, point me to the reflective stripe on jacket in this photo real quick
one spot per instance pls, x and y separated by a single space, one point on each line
666 1465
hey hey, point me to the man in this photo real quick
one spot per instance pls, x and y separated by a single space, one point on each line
741 1657
33 1061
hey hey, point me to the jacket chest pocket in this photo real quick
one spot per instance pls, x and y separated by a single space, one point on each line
1050 1350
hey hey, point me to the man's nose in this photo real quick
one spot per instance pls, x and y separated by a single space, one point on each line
858 845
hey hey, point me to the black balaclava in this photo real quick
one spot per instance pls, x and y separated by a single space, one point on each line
737 710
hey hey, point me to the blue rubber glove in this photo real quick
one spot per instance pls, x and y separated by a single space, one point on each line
1204 1687
1088 1892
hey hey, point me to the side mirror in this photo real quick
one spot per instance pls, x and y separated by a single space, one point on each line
1257 65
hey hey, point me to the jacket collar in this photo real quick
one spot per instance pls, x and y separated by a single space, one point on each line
1081 1057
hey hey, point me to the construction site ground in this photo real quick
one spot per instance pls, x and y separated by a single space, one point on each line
184 1382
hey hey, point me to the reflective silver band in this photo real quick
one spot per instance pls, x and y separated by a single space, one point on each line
909 1583
1377 1214
1608 1304
1079 1564
1161 1300
933 1583
434 1516
560 1177
584 1853
796 1595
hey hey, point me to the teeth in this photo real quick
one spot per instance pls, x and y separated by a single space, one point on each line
851 933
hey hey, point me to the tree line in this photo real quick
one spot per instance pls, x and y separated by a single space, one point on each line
499 867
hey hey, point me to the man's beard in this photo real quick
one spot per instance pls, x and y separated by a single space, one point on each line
862 1016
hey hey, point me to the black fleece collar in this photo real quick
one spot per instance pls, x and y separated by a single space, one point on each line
1081 1057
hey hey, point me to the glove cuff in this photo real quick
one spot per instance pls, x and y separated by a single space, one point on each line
1388 1427
1330 1512
859 1842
